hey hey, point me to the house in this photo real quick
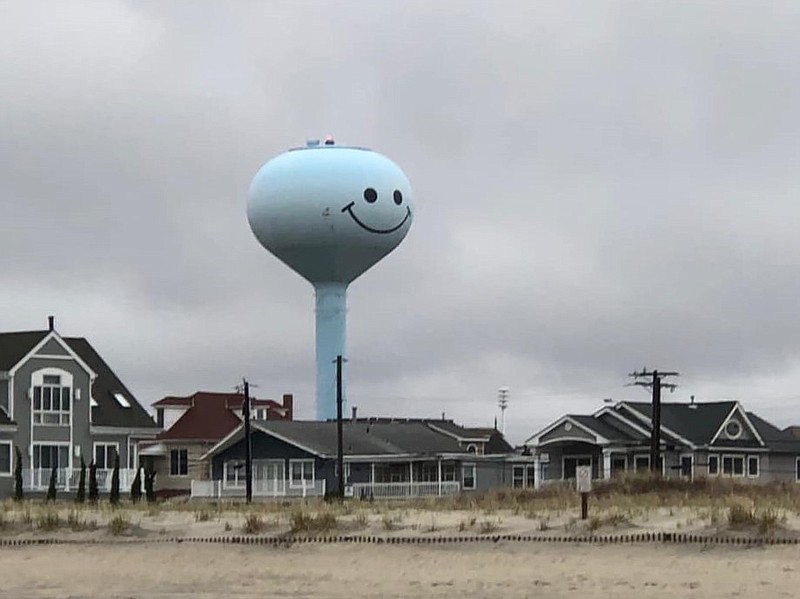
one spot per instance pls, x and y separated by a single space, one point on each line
382 458
193 425
60 402
716 439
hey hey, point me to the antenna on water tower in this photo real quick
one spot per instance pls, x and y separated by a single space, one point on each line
502 401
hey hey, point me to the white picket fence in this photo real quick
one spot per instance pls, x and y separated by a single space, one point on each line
67 479
404 490
216 489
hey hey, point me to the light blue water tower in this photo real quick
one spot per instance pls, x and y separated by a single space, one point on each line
330 213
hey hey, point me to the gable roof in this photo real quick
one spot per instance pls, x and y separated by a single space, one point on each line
108 411
16 345
384 438
698 424
209 416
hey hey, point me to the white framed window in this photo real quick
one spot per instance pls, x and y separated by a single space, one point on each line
468 478
733 465
6 458
641 463
301 472
713 465
51 455
733 429
260 414
104 454
753 466
448 472
52 397
472 448
518 477
428 473
235 474
179 462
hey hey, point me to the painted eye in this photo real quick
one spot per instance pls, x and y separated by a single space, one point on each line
370 195
398 197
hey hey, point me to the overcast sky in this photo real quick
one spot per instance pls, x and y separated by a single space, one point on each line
599 187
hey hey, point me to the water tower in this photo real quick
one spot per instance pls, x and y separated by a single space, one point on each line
329 213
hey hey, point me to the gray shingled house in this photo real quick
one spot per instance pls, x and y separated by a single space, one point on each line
716 439
60 401
383 458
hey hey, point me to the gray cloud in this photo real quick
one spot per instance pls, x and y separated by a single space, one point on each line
599 187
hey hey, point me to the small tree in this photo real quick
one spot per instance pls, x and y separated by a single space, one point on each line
80 496
17 474
149 485
94 492
136 487
51 488
114 496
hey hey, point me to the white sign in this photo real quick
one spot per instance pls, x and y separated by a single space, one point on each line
583 476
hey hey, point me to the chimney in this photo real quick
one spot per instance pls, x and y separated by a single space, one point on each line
442 415
288 405
51 320
355 413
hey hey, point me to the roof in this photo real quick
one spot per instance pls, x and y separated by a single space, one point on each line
601 427
15 346
209 416
108 411
698 424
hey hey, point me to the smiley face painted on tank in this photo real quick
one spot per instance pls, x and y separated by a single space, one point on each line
360 212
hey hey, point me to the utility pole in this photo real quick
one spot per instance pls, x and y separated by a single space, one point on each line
248 454
339 435
503 403
652 380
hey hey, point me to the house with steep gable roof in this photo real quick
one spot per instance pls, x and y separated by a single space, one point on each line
60 402
194 424
716 439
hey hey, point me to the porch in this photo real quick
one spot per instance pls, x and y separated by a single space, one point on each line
270 488
404 490
67 479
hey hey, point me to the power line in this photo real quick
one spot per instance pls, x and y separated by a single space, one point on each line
655 384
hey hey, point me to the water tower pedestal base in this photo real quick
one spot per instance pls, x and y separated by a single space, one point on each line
331 318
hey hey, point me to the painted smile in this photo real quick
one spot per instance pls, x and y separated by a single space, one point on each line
349 208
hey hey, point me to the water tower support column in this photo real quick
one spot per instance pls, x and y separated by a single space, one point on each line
331 316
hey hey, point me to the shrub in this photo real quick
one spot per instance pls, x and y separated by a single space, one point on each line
202 516
118 525
740 516
488 527
302 522
48 520
51 487
767 522
136 487
80 496
113 497
94 491
17 474
76 522
253 524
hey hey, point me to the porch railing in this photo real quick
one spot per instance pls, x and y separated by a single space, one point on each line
67 479
404 490
261 488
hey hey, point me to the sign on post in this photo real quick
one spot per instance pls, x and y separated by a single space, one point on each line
583 478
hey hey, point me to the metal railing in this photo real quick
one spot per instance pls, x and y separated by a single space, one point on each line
404 490
261 488
67 479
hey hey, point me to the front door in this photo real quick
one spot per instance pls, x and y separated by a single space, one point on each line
571 465
273 478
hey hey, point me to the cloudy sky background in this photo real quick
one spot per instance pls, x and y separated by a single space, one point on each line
599 187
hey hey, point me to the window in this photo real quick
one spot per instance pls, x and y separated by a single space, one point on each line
428 472
5 458
468 476
641 463
733 465
235 473
733 429
104 454
619 463
51 401
260 414
122 400
346 472
686 466
448 472
571 464
179 462
530 476
472 448
713 465
518 477
752 466
302 472
50 456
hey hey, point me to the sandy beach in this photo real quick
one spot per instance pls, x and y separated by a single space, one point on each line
169 571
